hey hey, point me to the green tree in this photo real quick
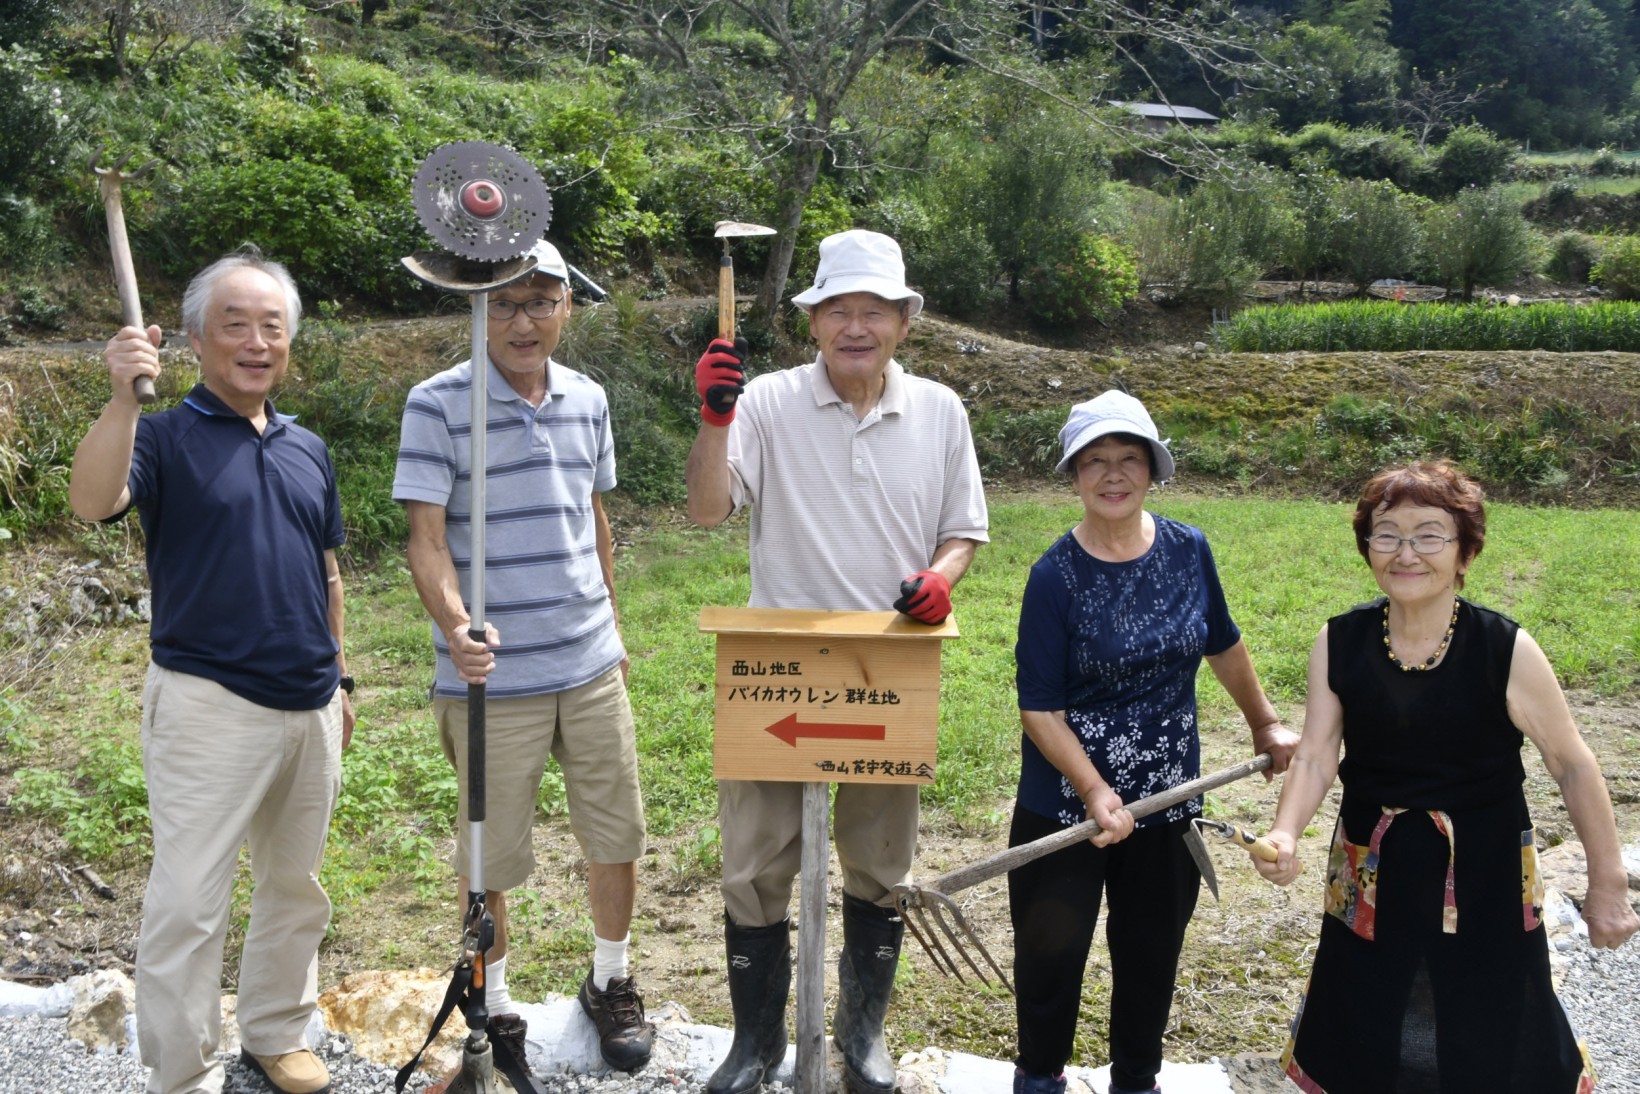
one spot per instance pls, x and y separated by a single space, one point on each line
1374 231
1479 238
788 96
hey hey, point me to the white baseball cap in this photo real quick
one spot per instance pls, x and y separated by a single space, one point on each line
1112 412
859 261
548 261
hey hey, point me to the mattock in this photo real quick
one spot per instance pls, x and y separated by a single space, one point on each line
119 246
929 911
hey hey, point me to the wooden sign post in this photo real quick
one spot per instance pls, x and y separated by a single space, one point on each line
818 698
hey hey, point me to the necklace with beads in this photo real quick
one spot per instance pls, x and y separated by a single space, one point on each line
1446 640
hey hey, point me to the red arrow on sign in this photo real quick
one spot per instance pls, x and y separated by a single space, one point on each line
788 729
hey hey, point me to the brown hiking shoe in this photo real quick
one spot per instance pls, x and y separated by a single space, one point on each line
624 1038
299 1072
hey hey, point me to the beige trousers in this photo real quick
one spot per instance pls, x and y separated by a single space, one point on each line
223 771
874 828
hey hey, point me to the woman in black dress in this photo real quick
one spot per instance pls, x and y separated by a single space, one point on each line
1432 973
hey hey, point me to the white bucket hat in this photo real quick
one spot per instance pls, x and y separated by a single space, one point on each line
859 261
1112 412
548 261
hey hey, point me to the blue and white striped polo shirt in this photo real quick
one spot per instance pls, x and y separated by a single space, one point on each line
544 589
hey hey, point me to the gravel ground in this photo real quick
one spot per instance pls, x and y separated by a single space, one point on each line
1601 990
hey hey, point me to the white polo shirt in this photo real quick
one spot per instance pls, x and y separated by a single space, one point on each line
844 509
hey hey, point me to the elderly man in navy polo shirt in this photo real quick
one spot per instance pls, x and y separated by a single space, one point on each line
553 668
247 704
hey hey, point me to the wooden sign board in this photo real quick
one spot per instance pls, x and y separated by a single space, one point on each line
811 696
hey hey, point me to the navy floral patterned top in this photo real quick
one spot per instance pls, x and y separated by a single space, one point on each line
1116 645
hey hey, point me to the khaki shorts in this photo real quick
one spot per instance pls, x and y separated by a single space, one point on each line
589 731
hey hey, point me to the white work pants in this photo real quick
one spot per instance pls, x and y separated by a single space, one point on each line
223 771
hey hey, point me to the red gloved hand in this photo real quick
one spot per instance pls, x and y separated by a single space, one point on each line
925 596
720 377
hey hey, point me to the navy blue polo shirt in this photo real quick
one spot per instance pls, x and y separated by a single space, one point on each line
237 524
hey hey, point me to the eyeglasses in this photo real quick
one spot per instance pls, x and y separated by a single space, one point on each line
1425 543
541 307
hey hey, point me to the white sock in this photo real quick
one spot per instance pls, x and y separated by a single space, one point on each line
497 999
608 961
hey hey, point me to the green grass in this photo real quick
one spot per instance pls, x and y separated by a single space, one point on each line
1387 326
1523 192
1571 577
69 740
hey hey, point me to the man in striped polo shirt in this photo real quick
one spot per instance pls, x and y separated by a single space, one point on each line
863 486
553 666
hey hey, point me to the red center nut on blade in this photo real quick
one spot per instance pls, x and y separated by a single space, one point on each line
482 198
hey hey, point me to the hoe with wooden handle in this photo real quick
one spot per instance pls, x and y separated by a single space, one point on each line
929 911
125 274
726 231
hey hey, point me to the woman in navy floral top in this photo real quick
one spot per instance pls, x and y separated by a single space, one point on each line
1116 619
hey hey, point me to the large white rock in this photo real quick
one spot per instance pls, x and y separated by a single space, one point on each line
103 1001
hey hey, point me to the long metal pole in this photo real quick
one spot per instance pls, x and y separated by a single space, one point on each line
478 435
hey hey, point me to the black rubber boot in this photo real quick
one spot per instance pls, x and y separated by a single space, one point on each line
865 977
760 978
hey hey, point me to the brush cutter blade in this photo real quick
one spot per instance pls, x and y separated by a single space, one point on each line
481 200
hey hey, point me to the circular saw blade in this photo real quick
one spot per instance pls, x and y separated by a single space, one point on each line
481 201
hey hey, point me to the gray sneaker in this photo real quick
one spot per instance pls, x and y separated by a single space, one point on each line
624 1038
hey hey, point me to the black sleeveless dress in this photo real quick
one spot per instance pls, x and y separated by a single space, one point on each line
1432 973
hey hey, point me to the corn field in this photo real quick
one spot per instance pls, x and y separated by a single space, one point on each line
1371 325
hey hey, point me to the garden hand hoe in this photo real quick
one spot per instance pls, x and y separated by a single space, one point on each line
929 911
1255 844
119 247
728 230
487 207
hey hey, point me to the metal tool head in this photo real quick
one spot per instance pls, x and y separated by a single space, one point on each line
928 914
481 200
452 273
117 168
735 229
1198 852
477 1074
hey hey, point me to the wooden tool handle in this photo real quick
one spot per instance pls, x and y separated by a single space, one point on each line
726 299
1258 845
125 273
1003 861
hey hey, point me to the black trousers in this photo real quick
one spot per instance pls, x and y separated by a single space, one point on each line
1151 882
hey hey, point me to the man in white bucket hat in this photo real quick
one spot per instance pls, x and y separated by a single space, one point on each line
863 486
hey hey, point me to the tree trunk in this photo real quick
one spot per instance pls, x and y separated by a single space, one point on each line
796 186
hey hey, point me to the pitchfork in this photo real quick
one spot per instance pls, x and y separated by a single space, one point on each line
119 246
929 911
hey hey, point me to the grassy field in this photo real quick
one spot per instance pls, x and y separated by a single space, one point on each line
70 758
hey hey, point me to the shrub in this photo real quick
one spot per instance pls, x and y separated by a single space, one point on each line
1375 231
1572 256
27 20
1479 238
28 240
1470 156
302 214
1214 242
953 268
1363 153
1618 271
34 134
1080 278
275 49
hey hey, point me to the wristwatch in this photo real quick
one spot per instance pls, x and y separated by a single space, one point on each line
346 684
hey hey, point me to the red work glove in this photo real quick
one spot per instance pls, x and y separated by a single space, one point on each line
720 377
925 596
